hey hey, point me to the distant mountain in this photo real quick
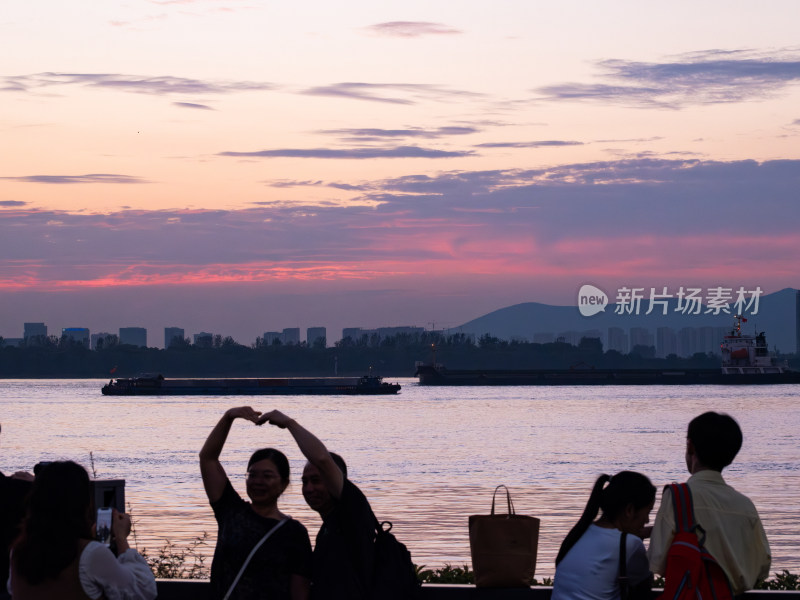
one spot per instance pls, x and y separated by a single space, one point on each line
778 316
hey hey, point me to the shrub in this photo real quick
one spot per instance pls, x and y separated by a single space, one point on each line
173 562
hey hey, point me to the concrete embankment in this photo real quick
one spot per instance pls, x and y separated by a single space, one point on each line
184 589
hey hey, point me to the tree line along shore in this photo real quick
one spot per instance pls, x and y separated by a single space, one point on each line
393 356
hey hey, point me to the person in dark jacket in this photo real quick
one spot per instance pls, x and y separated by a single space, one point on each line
344 552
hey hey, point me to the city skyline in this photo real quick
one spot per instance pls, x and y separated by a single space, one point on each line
666 324
218 164
664 340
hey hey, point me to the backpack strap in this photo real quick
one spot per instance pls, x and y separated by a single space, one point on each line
252 552
684 510
623 567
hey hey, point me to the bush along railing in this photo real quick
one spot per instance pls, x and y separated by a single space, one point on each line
449 574
445 574
782 581
175 562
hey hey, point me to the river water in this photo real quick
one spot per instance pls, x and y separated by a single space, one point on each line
426 458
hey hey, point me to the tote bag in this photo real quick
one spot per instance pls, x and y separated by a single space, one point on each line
503 547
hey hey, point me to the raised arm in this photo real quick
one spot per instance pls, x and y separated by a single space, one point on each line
312 448
126 577
214 477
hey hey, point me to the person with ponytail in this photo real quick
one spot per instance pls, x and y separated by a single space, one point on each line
588 562
56 555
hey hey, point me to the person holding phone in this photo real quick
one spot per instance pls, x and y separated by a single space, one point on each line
246 565
588 562
56 554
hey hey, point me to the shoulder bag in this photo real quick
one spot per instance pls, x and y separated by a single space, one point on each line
503 547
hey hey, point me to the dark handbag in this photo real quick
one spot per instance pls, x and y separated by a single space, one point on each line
640 591
503 547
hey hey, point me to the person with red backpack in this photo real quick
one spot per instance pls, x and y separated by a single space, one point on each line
730 529
355 556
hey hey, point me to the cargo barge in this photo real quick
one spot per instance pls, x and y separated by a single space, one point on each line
158 385
745 361
429 374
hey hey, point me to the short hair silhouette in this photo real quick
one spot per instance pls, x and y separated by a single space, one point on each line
59 516
717 439
340 463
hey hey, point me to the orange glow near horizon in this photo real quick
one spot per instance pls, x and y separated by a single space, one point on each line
634 155
446 258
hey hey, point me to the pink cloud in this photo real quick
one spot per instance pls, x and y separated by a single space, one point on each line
477 240
427 258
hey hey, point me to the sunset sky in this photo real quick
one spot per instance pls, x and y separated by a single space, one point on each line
242 166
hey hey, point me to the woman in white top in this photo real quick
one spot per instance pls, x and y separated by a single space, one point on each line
56 556
588 563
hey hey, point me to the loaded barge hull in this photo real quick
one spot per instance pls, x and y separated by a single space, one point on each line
430 375
285 386
745 361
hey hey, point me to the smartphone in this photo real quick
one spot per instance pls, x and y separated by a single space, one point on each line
104 525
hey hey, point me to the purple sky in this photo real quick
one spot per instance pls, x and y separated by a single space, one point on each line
238 168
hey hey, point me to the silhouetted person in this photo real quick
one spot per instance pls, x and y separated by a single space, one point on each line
344 550
56 556
13 491
734 534
281 567
588 562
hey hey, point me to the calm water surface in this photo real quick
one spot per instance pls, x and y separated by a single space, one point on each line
426 458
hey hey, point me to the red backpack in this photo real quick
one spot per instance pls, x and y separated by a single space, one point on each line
692 573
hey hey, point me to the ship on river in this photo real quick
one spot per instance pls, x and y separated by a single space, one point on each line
158 385
745 361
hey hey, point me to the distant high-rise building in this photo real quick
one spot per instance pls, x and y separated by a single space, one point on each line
797 322
617 340
34 330
354 333
271 336
639 336
316 333
687 341
171 334
384 332
99 341
592 334
203 339
133 336
666 342
78 335
569 337
706 340
291 335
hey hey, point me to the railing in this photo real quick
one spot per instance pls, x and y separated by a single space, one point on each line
187 589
